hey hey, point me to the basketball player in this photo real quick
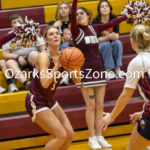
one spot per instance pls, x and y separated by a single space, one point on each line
139 68
93 84
40 101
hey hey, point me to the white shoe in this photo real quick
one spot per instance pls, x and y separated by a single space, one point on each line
148 148
2 90
12 88
110 75
103 142
120 74
93 143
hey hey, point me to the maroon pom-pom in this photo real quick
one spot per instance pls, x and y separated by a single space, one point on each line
139 12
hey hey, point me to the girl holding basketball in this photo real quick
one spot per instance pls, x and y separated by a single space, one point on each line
40 101
93 84
140 137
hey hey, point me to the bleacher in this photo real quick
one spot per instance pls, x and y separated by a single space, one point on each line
16 128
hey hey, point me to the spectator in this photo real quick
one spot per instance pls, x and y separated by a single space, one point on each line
20 58
66 39
110 46
11 85
62 18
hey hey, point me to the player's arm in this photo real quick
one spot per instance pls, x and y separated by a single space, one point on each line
120 105
46 76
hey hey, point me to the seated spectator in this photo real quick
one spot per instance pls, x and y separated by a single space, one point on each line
20 58
110 46
11 85
66 39
62 18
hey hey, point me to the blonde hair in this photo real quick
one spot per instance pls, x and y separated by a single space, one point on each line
46 30
141 36
58 17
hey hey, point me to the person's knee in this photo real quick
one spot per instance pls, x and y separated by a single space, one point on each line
105 47
91 105
62 136
32 58
2 63
70 134
99 105
117 44
11 63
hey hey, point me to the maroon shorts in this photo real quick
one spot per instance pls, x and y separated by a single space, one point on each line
34 105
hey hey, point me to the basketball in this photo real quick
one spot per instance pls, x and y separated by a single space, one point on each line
71 58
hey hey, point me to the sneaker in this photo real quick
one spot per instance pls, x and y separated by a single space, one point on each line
93 143
103 142
148 148
110 75
120 74
2 90
12 88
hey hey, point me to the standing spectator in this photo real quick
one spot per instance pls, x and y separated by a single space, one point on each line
139 69
20 58
110 46
62 18
92 86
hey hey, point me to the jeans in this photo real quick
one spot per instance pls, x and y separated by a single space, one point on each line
111 53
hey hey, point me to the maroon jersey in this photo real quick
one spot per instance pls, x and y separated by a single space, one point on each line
85 38
38 96
44 93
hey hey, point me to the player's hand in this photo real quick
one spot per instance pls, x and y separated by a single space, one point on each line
105 121
76 76
114 36
136 116
58 23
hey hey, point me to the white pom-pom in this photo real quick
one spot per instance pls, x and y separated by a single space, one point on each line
138 10
27 33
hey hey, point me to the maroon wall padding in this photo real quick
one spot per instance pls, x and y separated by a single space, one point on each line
125 39
70 95
20 126
4 31
35 13
125 61
43 26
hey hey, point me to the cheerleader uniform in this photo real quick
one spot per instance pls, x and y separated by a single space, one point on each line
85 38
139 68
39 98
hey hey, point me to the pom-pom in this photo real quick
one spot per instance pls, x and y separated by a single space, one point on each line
139 12
27 33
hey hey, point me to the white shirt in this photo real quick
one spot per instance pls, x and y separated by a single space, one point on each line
8 45
136 69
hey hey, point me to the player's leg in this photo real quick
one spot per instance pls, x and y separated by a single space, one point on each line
48 121
100 93
89 98
59 112
137 142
